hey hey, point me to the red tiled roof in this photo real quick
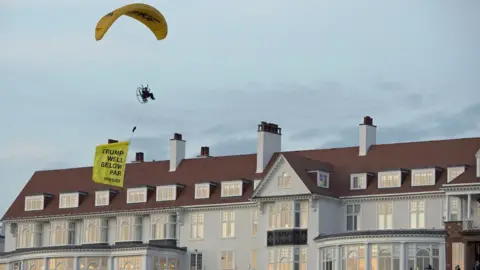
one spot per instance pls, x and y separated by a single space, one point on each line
340 162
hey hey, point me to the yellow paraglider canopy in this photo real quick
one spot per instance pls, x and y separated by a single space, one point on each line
148 15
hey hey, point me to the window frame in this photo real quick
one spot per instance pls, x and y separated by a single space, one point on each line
200 186
355 215
256 183
169 227
159 193
134 232
226 253
417 212
397 174
194 265
457 169
100 231
228 223
63 201
414 182
67 233
196 224
254 223
130 197
41 199
358 175
98 199
32 239
231 185
284 181
386 215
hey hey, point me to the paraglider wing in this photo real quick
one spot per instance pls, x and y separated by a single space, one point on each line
146 14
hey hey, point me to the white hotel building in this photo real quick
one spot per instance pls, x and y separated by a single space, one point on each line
383 207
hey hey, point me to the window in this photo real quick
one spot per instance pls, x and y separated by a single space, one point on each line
34 203
29 235
96 230
353 257
386 257
353 213
62 233
255 184
458 255
454 209
196 261
417 214
231 189
287 258
454 172
228 224
328 258
287 215
137 195
130 263
60 264
227 260
254 222
202 191
102 198
165 262
68 200
389 179
166 193
33 264
129 229
284 181
253 260
420 256
322 179
197 226
423 177
164 227
358 181
93 263
384 215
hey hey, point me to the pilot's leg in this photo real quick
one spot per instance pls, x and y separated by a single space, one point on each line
151 96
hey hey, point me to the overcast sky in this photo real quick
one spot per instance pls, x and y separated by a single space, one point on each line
315 67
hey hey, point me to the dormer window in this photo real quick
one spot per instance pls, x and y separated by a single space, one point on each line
102 197
454 172
322 178
232 188
166 193
358 181
202 191
423 177
69 200
284 181
34 203
256 183
137 195
389 179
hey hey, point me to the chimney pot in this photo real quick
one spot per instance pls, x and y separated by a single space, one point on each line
177 136
139 157
112 141
367 120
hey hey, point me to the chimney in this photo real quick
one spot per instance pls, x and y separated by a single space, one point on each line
112 141
269 142
204 151
139 157
477 157
368 135
177 151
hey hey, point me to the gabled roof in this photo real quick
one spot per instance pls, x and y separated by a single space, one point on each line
339 162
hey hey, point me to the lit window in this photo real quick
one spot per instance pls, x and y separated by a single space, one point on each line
231 189
423 178
228 224
417 214
102 198
227 260
62 233
358 181
130 263
287 215
137 195
253 263
29 235
129 228
197 226
68 200
287 258
96 230
389 180
454 209
284 181
34 203
385 217
166 193
164 227
455 172
202 191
